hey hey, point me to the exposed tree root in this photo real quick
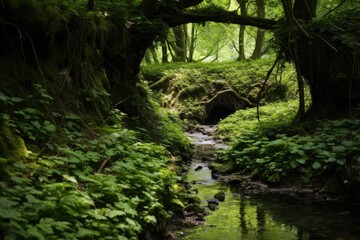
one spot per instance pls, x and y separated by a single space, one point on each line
247 102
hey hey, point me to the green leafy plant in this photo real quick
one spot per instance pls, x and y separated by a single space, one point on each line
267 154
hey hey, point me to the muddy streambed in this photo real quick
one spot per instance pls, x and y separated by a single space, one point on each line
270 217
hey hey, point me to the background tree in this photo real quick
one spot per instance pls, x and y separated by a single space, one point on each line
260 34
333 82
243 12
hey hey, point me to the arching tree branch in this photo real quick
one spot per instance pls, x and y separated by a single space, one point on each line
175 13
182 17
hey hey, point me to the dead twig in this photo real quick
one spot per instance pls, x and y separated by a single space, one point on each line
263 86
103 164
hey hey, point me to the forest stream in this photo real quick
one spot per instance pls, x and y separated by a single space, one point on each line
267 217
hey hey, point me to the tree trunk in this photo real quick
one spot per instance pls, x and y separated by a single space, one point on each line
154 55
260 34
329 71
305 9
164 57
90 4
192 42
125 51
243 12
180 35
293 52
147 58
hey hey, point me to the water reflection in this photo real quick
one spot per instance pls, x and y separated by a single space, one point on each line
273 218
245 217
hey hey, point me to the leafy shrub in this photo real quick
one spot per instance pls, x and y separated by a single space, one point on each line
25 119
273 118
332 148
112 187
107 183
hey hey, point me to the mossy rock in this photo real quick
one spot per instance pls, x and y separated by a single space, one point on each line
194 207
11 145
176 168
193 199
12 152
220 196
221 168
191 92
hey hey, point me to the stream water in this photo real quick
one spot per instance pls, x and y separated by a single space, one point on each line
245 217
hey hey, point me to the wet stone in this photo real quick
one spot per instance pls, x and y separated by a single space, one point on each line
212 207
213 201
198 168
220 196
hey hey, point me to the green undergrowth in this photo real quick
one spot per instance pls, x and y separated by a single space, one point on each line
72 167
193 89
157 124
274 116
276 151
77 180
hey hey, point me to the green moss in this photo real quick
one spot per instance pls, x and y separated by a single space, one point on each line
190 87
11 145
222 168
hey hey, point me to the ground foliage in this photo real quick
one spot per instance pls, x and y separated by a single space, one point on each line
276 151
71 167
103 182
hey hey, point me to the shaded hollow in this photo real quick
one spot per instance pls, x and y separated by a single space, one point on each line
221 106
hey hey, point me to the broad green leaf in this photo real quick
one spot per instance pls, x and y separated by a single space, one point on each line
339 148
178 202
3 97
150 219
301 160
347 143
341 162
70 178
115 213
294 164
84 232
9 214
331 159
316 165
49 127
35 232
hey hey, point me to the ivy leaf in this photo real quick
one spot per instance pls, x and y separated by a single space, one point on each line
84 232
49 127
316 165
131 222
347 143
341 162
301 160
115 213
3 97
150 219
36 124
294 164
338 148
70 178
178 202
